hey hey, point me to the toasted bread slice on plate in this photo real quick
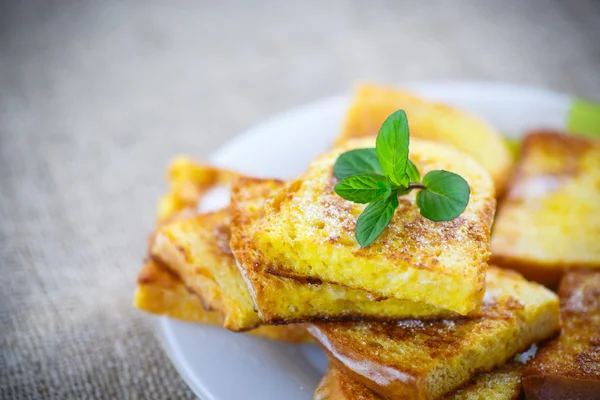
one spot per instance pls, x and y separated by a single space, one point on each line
569 367
195 246
549 220
372 104
309 233
197 250
283 300
188 182
426 360
503 383
160 292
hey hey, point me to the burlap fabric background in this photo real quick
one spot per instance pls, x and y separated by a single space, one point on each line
96 96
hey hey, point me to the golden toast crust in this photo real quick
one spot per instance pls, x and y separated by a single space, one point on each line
161 292
422 360
336 385
549 220
196 246
569 367
308 232
188 182
501 384
197 250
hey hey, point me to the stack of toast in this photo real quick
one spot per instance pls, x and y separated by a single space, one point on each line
420 313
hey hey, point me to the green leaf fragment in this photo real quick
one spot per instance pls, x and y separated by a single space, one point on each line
584 118
446 196
363 188
355 162
392 147
401 191
413 173
514 146
374 219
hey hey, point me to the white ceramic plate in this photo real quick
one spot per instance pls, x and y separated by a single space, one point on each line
221 365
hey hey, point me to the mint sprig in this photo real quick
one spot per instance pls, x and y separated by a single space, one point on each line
378 176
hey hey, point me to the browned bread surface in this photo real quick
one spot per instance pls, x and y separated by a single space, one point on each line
549 220
425 360
503 383
160 292
197 250
569 367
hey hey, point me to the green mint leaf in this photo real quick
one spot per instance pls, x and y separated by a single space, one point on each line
401 191
374 219
392 147
412 172
355 162
446 196
363 188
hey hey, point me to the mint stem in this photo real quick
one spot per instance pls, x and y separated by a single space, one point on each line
416 186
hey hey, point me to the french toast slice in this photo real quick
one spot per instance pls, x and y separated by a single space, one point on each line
503 383
372 104
197 250
426 360
309 233
282 300
188 182
549 220
569 367
160 292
